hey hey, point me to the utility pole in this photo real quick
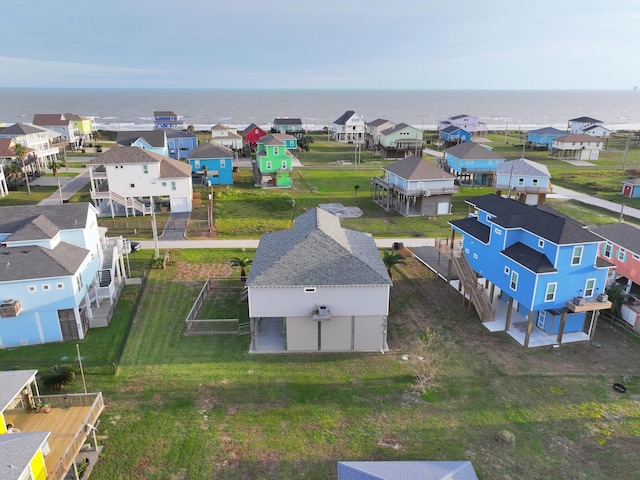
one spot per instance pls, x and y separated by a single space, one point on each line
626 151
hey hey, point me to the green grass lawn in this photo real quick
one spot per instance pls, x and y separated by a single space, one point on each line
196 407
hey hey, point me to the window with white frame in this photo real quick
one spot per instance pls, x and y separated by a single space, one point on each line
622 255
196 164
309 289
589 286
520 181
60 286
534 182
607 249
79 283
222 163
513 284
497 231
145 168
173 185
576 256
284 164
31 288
268 165
507 270
550 295
46 287
540 243
276 151
132 185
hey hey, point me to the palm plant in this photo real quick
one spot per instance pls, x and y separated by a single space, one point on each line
392 259
58 376
20 152
241 263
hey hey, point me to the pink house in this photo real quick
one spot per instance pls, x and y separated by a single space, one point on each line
622 248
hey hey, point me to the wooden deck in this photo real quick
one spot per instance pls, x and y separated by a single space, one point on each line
67 425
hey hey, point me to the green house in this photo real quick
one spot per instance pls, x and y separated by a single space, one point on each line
273 164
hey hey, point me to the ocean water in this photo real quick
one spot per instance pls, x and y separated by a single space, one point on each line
132 109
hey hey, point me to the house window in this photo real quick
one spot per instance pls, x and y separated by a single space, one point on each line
132 185
309 289
475 256
607 250
276 151
542 318
284 164
79 282
60 286
164 184
521 181
268 165
145 168
173 185
622 255
46 287
498 231
636 256
540 243
196 164
534 182
31 288
222 163
576 256
514 280
589 285
506 270
550 296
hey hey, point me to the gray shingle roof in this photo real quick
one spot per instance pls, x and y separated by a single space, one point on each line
396 128
452 128
317 251
548 131
169 168
585 120
287 121
344 117
211 149
540 220
50 119
36 222
21 129
270 139
377 122
528 257
416 168
472 151
13 381
17 450
173 133
155 138
33 262
632 181
164 113
522 166
621 234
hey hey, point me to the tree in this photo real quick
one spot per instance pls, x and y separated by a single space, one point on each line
241 263
191 129
392 259
54 165
58 376
428 360
21 153
616 297
304 142
356 188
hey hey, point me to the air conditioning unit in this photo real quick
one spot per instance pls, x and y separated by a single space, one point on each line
321 313
10 308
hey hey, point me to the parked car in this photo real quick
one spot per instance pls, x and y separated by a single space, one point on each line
135 246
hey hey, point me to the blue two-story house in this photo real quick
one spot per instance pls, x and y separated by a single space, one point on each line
213 161
167 119
153 140
472 163
180 143
454 134
542 138
543 265
55 267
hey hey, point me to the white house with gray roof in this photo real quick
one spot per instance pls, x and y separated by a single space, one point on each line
325 288
349 128
55 269
41 140
128 178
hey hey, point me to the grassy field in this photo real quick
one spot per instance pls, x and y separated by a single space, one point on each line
202 407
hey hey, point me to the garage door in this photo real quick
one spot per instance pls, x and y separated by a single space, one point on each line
179 204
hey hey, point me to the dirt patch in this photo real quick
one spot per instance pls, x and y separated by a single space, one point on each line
185 271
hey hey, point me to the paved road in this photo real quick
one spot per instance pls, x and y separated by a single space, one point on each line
598 202
69 188
252 243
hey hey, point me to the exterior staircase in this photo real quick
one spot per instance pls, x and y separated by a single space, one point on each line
477 294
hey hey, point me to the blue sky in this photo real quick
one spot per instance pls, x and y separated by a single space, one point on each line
336 44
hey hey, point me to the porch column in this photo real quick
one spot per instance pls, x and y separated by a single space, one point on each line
529 328
594 322
87 301
563 320
453 236
76 314
509 310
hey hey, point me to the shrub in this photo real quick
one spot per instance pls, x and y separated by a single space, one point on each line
58 376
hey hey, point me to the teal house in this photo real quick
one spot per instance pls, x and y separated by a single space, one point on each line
542 138
273 163
212 162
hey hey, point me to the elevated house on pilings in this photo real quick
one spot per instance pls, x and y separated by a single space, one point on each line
537 267
414 187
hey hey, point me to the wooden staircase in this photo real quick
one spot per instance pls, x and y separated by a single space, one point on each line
477 294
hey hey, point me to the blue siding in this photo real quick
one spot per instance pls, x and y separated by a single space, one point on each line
542 139
224 167
179 148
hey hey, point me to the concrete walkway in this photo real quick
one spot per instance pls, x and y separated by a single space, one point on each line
69 186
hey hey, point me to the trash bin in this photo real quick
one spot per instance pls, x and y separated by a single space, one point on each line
398 245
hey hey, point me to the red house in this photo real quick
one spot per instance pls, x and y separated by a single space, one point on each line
622 248
252 134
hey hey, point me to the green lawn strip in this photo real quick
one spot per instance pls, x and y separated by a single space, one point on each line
23 197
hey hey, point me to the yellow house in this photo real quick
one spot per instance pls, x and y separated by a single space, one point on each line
82 125
45 445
